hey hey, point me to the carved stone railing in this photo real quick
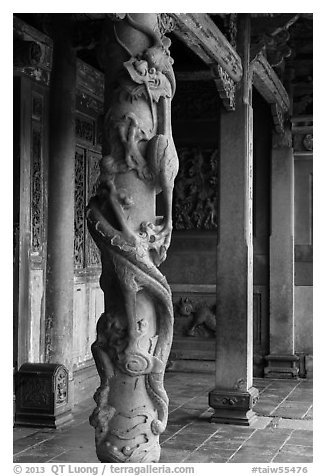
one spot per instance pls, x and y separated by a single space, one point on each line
134 334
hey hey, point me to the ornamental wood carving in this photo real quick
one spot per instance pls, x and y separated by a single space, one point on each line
270 87
134 334
202 36
195 205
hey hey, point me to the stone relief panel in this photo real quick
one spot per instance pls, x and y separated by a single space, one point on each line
195 316
195 192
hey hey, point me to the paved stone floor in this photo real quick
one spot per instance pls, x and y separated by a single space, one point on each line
281 434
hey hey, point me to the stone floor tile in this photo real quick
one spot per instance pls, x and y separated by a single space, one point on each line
32 439
31 458
265 408
301 392
235 431
297 449
88 455
181 444
301 438
171 455
309 414
43 451
201 428
225 443
269 441
190 436
289 458
21 432
260 382
206 455
250 458
306 383
295 424
252 455
291 410
261 422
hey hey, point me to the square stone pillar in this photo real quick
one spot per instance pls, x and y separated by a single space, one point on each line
282 361
234 396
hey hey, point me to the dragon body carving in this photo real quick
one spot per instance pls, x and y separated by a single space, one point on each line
134 334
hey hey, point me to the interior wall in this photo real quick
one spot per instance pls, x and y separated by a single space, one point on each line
190 267
261 228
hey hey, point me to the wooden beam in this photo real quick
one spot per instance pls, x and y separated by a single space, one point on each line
203 37
268 84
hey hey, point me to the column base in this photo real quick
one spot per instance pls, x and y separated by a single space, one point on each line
42 396
281 366
233 406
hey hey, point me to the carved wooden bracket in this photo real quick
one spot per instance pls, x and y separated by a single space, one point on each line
26 53
32 52
267 83
270 34
204 38
225 86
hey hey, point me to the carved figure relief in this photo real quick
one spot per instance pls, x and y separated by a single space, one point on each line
195 190
201 317
134 334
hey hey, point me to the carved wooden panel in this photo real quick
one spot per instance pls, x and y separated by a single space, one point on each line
93 170
79 243
195 192
37 175
86 175
85 129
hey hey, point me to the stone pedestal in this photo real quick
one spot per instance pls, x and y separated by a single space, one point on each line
42 396
234 396
282 360
234 407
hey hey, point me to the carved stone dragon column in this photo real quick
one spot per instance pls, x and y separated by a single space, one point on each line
134 334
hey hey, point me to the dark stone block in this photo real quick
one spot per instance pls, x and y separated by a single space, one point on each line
42 396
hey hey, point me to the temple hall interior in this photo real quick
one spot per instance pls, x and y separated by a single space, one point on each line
163 237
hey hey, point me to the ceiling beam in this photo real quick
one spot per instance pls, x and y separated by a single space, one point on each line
202 36
268 84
